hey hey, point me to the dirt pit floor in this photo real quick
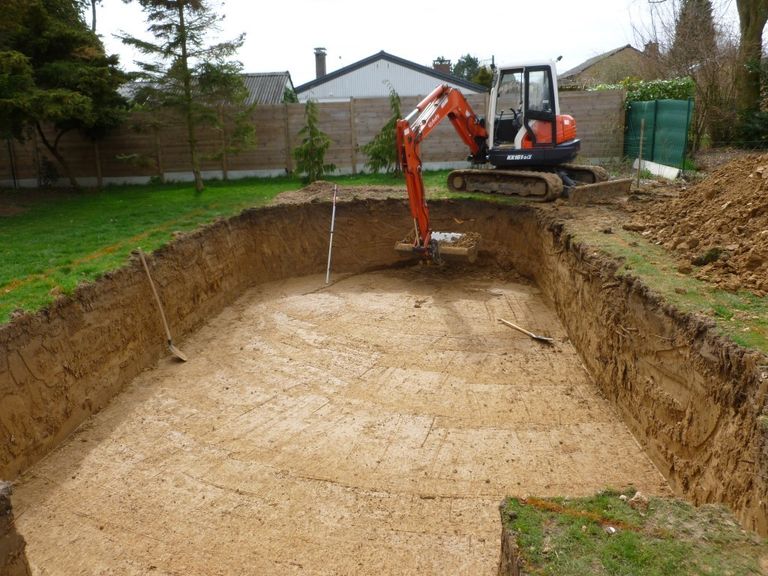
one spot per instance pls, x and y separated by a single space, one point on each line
372 426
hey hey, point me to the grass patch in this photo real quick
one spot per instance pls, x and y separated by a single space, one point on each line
56 240
742 316
604 535
51 241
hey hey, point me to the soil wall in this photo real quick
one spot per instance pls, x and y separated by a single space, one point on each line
692 399
510 561
13 560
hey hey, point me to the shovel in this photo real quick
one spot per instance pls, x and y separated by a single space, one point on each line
545 339
175 351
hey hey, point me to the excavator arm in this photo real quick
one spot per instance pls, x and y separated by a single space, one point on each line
443 102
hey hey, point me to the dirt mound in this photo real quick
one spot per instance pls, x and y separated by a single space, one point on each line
712 158
720 225
322 191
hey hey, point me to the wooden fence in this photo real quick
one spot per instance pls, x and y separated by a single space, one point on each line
144 148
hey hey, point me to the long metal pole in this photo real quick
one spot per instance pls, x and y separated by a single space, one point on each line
640 154
330 242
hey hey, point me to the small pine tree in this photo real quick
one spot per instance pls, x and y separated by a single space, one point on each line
382 150
310 154
484 77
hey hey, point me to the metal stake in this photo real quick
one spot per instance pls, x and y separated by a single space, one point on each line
330 242
640 155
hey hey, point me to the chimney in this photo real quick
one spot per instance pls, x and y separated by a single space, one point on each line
319 62
442 65
652 49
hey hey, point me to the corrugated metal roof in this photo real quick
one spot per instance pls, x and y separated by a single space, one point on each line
267 87
263 87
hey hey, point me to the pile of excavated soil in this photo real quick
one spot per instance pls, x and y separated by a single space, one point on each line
719 225
322 191
708 160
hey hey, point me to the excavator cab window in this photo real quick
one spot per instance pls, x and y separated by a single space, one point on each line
540 95
538 105
509 102
539 91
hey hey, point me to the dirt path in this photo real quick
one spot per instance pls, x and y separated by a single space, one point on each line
370 427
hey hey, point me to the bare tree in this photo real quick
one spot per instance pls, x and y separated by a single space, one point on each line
690 43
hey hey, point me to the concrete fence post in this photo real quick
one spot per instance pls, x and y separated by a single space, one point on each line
352 135
158 154
97 164
287 138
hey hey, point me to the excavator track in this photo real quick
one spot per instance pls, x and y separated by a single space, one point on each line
583 183
585 173
531 185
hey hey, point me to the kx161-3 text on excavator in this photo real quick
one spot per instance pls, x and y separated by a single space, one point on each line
525 150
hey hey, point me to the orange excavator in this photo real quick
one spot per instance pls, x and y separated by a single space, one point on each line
527 151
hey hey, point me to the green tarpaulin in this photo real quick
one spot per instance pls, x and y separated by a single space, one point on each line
665 133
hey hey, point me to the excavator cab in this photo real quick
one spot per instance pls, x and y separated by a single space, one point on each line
528 129
508 109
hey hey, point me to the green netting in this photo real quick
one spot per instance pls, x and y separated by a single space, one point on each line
665 133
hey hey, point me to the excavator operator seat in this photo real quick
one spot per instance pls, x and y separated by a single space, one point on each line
507 127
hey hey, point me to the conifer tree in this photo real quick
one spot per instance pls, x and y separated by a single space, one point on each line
310 154
55 76
179 57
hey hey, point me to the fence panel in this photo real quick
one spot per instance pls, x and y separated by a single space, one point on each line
151 146
664 134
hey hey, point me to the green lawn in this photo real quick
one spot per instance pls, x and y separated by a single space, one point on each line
57 240
50 242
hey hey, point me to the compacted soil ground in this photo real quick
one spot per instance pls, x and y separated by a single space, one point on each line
372 426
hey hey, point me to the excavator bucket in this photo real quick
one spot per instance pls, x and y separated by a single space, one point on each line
453 245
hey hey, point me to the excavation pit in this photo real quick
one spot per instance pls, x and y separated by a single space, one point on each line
372 425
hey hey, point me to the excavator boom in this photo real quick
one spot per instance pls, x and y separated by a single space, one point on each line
443 102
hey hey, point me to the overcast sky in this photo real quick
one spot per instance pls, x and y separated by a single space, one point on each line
282 35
